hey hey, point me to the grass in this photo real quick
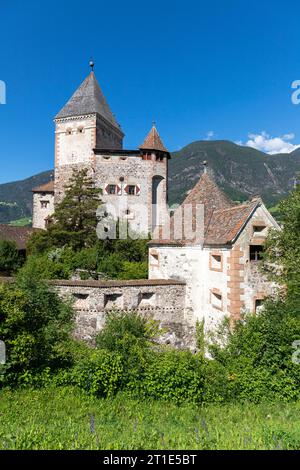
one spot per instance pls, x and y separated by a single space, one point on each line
21 222
66 419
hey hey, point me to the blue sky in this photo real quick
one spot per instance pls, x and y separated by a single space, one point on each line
201 69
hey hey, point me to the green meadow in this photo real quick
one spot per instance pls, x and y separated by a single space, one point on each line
65 418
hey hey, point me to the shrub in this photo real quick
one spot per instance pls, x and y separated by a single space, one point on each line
10 260
176 376
131 337
100 374
35 325
258 354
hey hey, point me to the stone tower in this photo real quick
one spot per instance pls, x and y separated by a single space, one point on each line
133 182
84 123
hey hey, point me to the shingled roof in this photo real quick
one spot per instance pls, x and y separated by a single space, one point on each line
153 142
88 99
226 224
223 220
45 188
19 235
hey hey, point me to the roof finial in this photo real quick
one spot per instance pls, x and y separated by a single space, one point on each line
154 123
205 166
92 64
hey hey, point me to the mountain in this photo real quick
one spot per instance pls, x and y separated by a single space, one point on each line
241 171
16 197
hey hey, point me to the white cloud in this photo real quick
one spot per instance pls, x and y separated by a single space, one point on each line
209 135
265 143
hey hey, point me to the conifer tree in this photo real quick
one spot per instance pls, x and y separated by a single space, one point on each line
75 218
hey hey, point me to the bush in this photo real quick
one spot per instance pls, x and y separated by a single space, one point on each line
258 354
100 374
35 325
131 337
174 376
10 260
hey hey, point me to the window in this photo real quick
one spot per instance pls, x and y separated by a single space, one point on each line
146 299
44 204
131 190
259 303
80 130
154 259
112 301
255 252
258 229
216 299
81 301
112 189
69 131
216 262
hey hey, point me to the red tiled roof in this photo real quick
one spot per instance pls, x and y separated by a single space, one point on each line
223 220
19 235
45 188
226 224
153 141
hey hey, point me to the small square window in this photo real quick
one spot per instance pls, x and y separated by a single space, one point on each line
112 189
146 299
131 190
255 252
154 259
112 301
216 300
259 304
44 204
216 262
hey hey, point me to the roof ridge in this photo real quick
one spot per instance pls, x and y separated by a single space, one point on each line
237 206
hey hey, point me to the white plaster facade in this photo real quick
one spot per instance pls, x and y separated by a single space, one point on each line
212 289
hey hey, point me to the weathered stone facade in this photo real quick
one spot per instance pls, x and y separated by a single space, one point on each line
132 181
43 205
162 300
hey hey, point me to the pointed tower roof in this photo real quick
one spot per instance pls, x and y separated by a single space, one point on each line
88 99
208 193
153 141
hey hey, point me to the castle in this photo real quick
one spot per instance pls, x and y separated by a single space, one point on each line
192 278
87 135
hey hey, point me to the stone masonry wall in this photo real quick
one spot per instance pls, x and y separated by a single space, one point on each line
160 300
43 207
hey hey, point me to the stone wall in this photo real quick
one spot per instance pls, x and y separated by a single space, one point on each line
43 207
162 300
130 169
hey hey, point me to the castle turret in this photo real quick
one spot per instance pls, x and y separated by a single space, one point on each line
83 124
